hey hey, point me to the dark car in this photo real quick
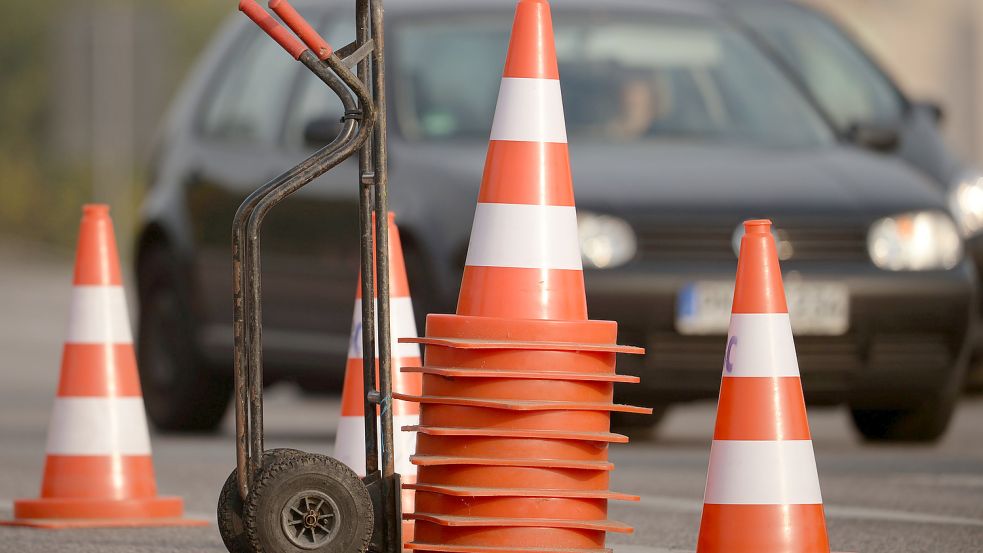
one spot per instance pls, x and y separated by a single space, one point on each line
868 108
680 128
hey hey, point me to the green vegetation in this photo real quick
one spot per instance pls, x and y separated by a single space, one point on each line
40 190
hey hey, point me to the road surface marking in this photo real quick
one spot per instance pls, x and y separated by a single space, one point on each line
832 511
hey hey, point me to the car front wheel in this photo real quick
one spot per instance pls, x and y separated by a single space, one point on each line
181 392
925 422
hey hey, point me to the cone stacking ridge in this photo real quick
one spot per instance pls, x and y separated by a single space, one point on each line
98 470
350 439
517 391
762 492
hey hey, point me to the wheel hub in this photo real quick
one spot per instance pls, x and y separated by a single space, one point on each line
310 519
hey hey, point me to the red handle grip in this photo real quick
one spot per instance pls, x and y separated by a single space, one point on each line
269 25
302 28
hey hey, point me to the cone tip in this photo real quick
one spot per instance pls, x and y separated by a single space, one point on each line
95 210
757 226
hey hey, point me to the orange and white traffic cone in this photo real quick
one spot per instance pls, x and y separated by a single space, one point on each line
762 492
350 440
512 446
524 241
99 471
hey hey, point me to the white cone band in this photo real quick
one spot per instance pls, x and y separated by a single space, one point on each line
402 325
762 473
98 426
350 443
760 345
529 110
98 315
525 236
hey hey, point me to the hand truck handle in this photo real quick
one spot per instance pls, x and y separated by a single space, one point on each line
269 25
302 28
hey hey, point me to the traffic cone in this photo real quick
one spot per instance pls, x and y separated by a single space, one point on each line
350 440
762 492
512 445
98 471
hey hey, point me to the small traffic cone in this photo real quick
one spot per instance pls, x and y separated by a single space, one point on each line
512 446
98 471
762 492
350 440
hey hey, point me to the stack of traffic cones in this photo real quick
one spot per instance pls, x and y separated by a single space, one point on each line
350 440
518 386
99 471
762 493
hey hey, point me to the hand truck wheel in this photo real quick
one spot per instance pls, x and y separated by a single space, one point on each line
230 505
308 503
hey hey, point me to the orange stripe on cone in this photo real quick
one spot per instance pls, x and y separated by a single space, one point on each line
551 294
99 477
532 49
763 528
98 370
761 408
542 167
759 286
98 470
96 262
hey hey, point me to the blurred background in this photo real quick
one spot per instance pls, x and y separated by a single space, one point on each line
854 124
86 84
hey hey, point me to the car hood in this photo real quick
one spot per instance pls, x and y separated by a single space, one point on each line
704 178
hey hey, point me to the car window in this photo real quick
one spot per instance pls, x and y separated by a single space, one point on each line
844 81
314 100
665 78
248 102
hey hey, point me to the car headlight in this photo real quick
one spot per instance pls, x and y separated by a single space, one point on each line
966 202
918 241
605 241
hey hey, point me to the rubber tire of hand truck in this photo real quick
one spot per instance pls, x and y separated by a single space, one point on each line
230 505
284 480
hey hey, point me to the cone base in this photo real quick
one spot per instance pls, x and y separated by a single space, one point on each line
100 513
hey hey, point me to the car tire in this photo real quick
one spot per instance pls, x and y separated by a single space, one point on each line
926 422
422 289
182 393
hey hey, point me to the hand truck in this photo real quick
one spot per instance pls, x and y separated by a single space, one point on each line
283 500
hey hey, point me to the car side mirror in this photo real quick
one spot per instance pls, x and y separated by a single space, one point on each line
876 137
321 131
933 109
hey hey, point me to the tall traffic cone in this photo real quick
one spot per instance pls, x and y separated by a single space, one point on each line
512 446
98 471
350 440
762 492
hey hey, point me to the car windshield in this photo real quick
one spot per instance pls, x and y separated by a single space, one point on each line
623 81
844 81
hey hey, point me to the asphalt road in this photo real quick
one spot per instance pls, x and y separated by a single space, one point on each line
878 499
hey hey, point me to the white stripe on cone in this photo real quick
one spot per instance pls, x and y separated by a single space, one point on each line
98 426
98 315
760 345
529 110
350 443
525 236
403 325
762 473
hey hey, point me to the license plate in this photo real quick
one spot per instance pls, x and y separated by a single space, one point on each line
815 308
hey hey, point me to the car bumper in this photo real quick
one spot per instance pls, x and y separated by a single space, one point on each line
907 335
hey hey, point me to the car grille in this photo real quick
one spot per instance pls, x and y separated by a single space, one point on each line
800 242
